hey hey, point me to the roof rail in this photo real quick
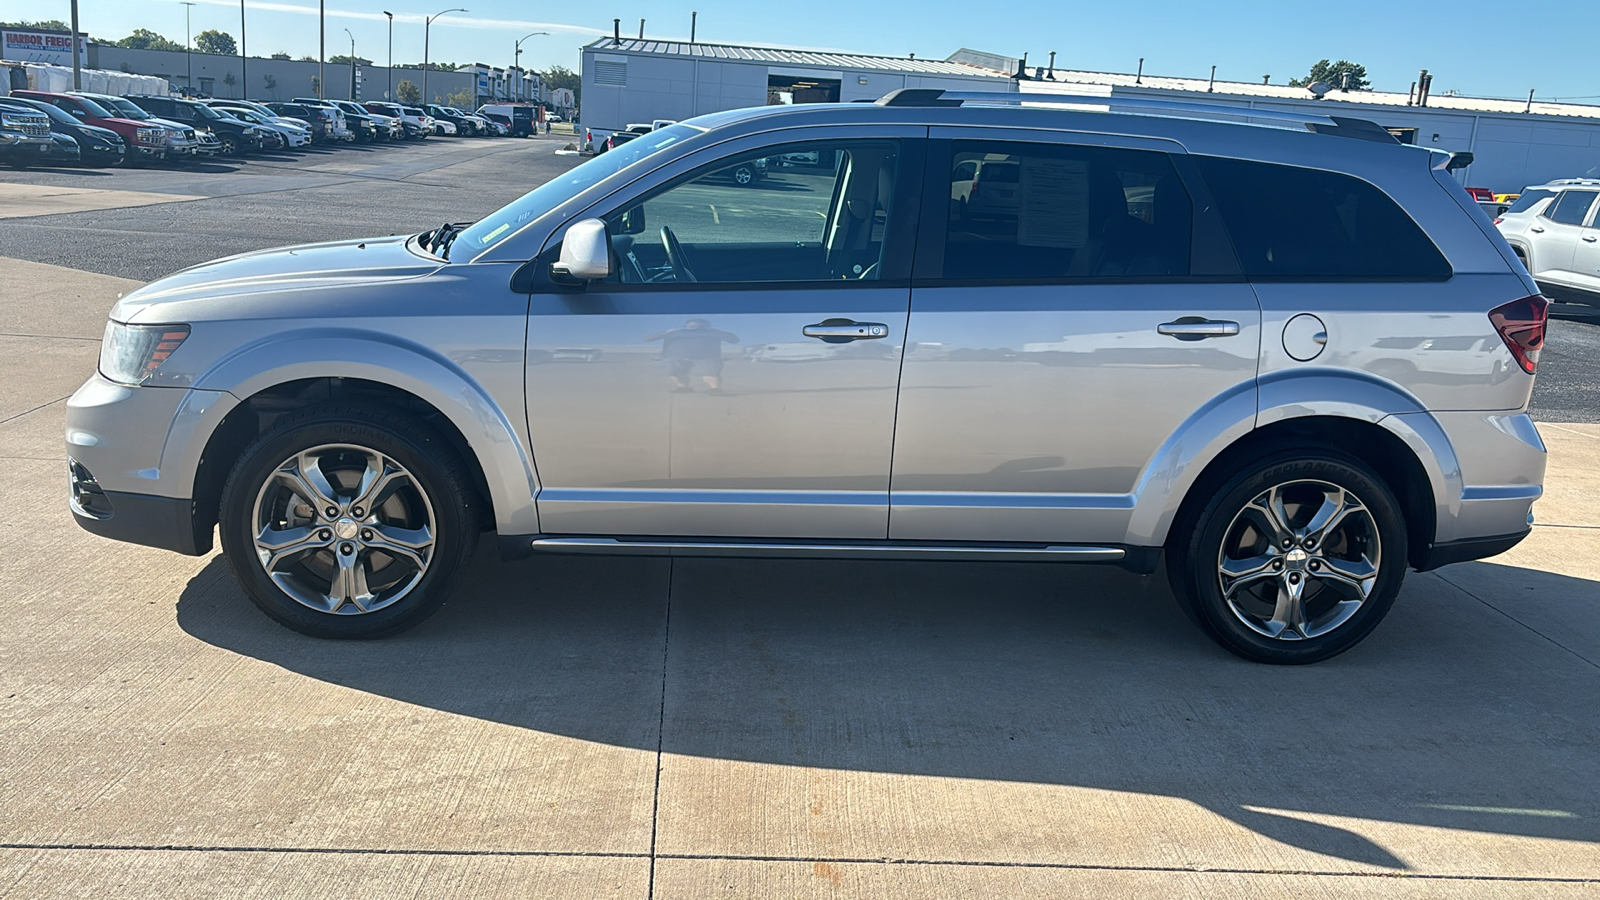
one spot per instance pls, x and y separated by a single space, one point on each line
1320 123
1574 181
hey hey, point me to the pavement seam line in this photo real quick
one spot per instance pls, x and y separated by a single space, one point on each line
1517 620
35 409
842 860
661 735
52 337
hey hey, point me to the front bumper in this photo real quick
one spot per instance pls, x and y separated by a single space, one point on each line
134 454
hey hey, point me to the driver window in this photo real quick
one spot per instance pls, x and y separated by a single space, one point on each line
804 212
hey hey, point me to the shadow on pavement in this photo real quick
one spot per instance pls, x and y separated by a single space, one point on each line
1449 716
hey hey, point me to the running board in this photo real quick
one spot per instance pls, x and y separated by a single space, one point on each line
837 550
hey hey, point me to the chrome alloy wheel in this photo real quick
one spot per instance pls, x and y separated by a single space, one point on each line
1299 560
343 529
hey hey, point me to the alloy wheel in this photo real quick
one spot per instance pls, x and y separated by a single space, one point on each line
1299 560
343 529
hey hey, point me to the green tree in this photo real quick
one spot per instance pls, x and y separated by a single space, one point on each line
229 80
562 77
145 39
216 42
41 25
407 92
461 99
271 84
1343 74
281 55
308 59
343 59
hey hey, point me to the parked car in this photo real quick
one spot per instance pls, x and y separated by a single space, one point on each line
1554 228
1246 397
141 140
340 130
24 137
182 141
320 118
480 125
291 133
90 145
519 118
383 127
64 150
235 138
414 121
444 115
615 140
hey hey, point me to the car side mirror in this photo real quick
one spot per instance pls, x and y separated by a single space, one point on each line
585 252
633 220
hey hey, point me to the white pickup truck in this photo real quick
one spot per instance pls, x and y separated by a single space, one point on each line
594 139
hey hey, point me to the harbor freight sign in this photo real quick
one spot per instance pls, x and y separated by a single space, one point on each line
53 47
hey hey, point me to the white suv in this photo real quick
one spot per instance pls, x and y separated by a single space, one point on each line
1555 229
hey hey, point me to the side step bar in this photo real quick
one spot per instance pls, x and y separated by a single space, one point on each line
835 550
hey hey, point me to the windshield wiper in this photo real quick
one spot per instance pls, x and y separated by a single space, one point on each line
438 240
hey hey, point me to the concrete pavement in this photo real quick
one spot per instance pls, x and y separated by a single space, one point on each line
629 728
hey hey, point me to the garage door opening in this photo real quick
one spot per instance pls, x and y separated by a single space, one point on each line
783 90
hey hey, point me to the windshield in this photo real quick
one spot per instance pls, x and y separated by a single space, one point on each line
129 110
207 112
507 219
94 109
55 114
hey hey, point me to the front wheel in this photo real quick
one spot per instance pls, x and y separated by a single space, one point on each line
348 522
230 145
1293 560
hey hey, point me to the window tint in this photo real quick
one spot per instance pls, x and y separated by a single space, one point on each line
1527 200
1570 208
1022 211
1289 222
761 218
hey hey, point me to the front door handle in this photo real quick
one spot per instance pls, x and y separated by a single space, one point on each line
1536 230
1590 239
1193 328
840 331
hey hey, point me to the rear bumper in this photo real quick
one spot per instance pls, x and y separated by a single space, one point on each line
1470 549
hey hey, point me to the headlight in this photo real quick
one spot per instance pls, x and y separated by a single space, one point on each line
131 354
249 129
174 134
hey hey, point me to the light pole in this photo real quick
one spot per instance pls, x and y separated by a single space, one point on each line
516 60
188 54
244 62
389 94
322 47
352 65
77 70
426 24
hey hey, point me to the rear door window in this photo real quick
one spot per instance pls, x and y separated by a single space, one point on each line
1030 212
1292 223
1571 207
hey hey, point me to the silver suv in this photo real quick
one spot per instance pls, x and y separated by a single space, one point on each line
1295 360
1554 228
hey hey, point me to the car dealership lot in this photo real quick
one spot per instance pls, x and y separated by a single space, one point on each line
591 727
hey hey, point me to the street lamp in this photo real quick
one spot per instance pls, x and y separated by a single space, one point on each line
244 61
516 58
389 94
322 47
188 55
426 24
352 65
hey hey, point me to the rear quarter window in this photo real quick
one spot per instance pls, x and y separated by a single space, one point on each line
1291 223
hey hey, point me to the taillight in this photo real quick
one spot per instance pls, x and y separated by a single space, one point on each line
1498 220
1521 326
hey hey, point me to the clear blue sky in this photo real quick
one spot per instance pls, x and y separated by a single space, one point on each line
1472 46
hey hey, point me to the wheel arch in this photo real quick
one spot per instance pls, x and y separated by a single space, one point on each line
298 373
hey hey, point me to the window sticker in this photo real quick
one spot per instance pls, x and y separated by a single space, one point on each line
1054 203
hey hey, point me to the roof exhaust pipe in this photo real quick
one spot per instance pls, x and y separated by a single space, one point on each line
641 29
692 17
616 32
1424 87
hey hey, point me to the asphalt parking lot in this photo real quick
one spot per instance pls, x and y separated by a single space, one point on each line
704 728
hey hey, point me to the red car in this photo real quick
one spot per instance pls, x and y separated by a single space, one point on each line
144 140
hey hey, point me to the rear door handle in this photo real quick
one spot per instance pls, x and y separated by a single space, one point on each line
1590 239
1191 328
1536 230
839 331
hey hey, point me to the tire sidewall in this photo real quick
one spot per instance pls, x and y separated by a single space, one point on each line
432 465
1199 581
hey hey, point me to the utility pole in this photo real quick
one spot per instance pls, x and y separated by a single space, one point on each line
516 61
426 25
77 70
244 62
352 65
188 53
322 46
389 94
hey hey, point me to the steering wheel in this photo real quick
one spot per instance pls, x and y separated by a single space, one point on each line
675 257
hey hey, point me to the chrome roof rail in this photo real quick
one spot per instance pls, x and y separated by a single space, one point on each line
1189 109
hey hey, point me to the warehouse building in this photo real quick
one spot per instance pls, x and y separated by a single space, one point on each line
627 80
1514 143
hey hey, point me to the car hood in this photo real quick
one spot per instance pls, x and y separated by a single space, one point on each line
272 283
126 123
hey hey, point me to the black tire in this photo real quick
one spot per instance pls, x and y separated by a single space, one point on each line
745 175
1221 529
230 145
434 472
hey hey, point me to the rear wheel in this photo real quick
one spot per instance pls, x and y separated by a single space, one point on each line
348 522
1293 560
